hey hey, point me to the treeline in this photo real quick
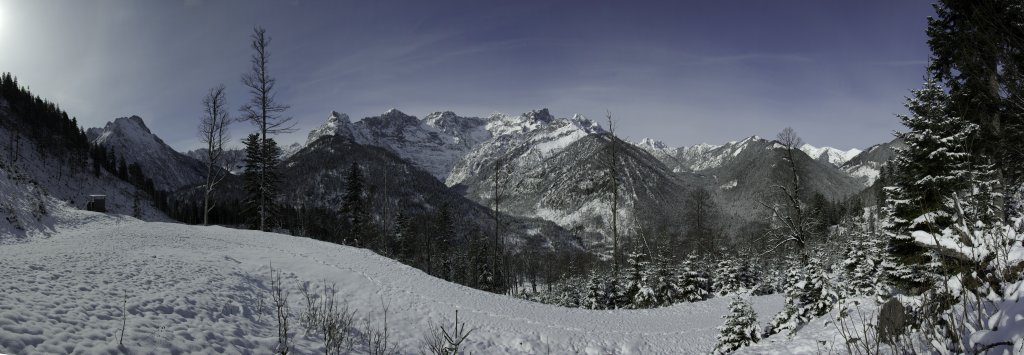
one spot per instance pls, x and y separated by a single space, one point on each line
41 121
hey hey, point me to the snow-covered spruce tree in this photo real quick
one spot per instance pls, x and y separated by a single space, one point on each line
864 271
664 282
732 275
570 292
976 51
639 292
934 166
251 175
740 328
809 294
862 268
693 283
601 293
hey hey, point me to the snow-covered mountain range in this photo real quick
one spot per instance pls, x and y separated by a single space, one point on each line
830 155
550 165
434 143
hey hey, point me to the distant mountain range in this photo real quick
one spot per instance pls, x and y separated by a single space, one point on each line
550 168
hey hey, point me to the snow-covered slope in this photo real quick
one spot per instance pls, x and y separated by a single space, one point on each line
440 142
697 157
867 165
132 140
233 160
24 209
190 289
318 171
830 155
52 175
746 170
569 185
522 140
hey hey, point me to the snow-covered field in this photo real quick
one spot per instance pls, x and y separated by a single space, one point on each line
190 289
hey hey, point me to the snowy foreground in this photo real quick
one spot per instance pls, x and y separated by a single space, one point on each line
197 289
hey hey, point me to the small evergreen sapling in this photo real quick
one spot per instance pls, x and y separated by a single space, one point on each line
809 294
740 328
733 275
639 293
693 283
666 287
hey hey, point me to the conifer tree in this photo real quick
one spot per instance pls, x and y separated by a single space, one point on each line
352 206
253 180
666 289
864 271
639 293
693 282
597 297
733 275
740 328
935 165
809 294
978 54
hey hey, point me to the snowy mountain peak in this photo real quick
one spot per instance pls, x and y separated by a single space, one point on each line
652 143
439 116
338 124
830 155
134 121
393 119
339 117
134 142
132 127
291 149
541 115
743 141
703 146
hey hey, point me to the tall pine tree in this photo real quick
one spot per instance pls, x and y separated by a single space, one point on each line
935 165
353 208
978 53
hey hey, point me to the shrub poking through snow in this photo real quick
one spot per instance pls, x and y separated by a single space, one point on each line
740 328
280 299
441 341
326 317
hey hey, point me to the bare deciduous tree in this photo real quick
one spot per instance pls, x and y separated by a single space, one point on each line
263 109
611 160
213 131
701 216
279 297
791 224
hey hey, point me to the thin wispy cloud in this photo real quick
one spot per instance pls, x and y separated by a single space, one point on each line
758 58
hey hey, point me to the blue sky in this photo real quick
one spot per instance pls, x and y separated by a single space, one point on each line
683 72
